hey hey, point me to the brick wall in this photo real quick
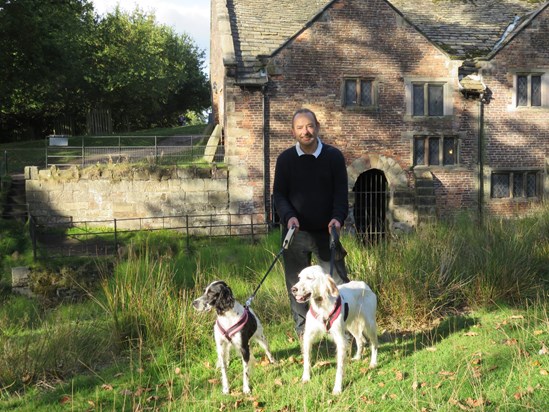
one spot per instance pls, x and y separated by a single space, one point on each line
350 40
517 138
370 39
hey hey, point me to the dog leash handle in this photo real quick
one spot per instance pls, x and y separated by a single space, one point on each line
289 237
334 237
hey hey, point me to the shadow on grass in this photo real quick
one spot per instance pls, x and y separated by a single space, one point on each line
407 342
410 342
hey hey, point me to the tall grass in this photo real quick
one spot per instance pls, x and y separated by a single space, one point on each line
454 265
425 281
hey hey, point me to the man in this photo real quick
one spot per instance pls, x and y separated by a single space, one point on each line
310 194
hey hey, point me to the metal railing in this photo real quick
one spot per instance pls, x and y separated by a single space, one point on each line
65 151
63 236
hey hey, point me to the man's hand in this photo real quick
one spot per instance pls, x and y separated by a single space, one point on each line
336 224
293 222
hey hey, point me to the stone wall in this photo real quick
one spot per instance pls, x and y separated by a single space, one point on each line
124 191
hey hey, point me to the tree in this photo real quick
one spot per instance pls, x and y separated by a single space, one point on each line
145 72
42 49
59 59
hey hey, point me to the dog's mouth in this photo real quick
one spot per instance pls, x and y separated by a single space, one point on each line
201 306
302 298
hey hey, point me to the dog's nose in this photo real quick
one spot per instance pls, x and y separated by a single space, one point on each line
195 303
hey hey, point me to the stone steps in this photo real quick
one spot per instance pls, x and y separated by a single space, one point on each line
16 206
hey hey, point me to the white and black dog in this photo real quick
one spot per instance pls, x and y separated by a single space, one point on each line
334 310
235 326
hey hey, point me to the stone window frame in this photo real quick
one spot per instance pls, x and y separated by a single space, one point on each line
448 92
358 80
414 136
529 72
513 193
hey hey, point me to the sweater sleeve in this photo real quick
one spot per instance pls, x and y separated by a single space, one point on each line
281 190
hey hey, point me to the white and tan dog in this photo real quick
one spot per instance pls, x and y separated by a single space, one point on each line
334 310
235 327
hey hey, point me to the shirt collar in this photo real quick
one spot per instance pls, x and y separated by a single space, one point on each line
316 152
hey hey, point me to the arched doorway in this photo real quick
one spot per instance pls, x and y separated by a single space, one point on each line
370 208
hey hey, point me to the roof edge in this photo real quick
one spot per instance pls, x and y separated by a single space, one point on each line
515 32
329 4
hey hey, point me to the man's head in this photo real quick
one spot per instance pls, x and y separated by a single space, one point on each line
305 128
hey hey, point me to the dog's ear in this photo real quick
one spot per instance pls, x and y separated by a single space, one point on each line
332 287
225 300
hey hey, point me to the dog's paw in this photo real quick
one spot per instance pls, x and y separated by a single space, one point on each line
305 378
226 391
336 391
246 390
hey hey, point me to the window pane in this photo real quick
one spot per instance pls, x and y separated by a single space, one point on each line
434 145
522 90
366 93
518 185
419 151
418 100
536 90
531 185
350 92
450 151
436 102
500 185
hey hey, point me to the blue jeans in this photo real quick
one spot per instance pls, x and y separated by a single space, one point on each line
298 256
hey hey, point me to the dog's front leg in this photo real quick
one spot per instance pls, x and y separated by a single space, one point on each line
307 342
222 363
340 342
247 360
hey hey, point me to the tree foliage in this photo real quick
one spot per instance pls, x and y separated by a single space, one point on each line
61 60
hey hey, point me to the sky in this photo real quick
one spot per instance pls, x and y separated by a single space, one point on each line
185 16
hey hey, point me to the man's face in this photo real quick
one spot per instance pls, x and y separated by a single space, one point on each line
305 131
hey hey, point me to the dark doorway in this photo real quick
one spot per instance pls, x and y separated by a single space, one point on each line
370 210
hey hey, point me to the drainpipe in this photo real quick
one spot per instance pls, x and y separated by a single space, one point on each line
481 159
266 153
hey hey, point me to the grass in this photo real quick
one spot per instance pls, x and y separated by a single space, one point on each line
17 155
454 335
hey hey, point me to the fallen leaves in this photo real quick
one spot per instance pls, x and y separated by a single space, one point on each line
469 403
399 375
65 399
523 393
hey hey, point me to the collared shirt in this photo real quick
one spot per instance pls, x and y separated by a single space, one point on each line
316 152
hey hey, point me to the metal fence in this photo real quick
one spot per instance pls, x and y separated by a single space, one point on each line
63 236
63 151
13 161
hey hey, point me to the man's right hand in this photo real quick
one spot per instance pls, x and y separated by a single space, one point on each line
293 222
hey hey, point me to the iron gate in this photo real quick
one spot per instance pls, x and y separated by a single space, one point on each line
370 207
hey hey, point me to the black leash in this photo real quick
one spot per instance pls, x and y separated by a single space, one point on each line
285 244
334 245
334 238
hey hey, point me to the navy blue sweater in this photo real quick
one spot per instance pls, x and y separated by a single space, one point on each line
312 189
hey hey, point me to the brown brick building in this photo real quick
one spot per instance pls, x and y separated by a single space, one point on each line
437 105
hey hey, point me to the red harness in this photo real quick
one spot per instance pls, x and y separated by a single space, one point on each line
229 333
332 316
